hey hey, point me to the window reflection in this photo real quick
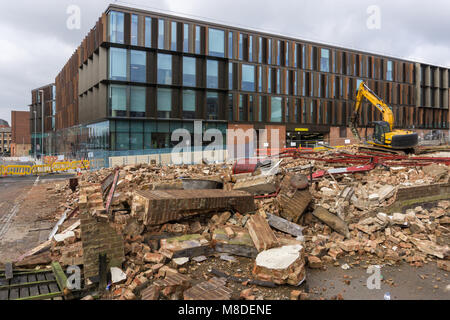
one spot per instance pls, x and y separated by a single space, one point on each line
164 105
212 105
137 101
212 74
189 104
164 69
276 113
189 72
148 32
138 64
216 43
118 100
117 64
248 77
116 27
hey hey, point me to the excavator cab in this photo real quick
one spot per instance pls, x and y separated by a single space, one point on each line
380 129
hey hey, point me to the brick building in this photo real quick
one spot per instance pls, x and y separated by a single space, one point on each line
140 75
5 138
20 133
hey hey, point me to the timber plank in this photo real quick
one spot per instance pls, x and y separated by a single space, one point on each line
14 294
3 295
24 292
34 291
9 271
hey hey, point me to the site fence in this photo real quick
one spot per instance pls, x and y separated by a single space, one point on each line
56 167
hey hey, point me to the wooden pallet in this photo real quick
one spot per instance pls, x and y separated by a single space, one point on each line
32 284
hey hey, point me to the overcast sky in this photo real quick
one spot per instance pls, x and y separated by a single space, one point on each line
35 42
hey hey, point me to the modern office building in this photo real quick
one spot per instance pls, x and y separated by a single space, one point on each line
42 119
5 138
139 75
20 133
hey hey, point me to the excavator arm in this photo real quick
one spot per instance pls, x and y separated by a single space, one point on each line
365 92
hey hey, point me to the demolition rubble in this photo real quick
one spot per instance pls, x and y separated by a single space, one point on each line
144 232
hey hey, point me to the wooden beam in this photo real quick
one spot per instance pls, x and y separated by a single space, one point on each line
9 271
46 245
60 276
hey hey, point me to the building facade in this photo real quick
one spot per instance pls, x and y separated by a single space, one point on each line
20 133
42 119
140 75
5 138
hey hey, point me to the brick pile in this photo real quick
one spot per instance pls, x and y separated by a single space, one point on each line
155 229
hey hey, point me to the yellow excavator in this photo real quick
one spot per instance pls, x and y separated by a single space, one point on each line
384 137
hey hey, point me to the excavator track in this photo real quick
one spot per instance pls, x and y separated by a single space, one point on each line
383 150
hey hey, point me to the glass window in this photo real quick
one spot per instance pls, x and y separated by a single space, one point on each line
173 43
212 74
189 72
164 68
269 49
216 43
118 100
303 57
269 80
248 77
230 45
116 27
260 111
278 80
117 64
138 62
294 74
161 31
186 37
189 104
197 39
287 53
276 113
325 60
279 53
212 105
241 108
260 51
230 76
250 48
134 30
136 141
230 107
389 73
164 97
137 101
241 46
148 32
288 110
295 55
251 108
122 141
259 79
